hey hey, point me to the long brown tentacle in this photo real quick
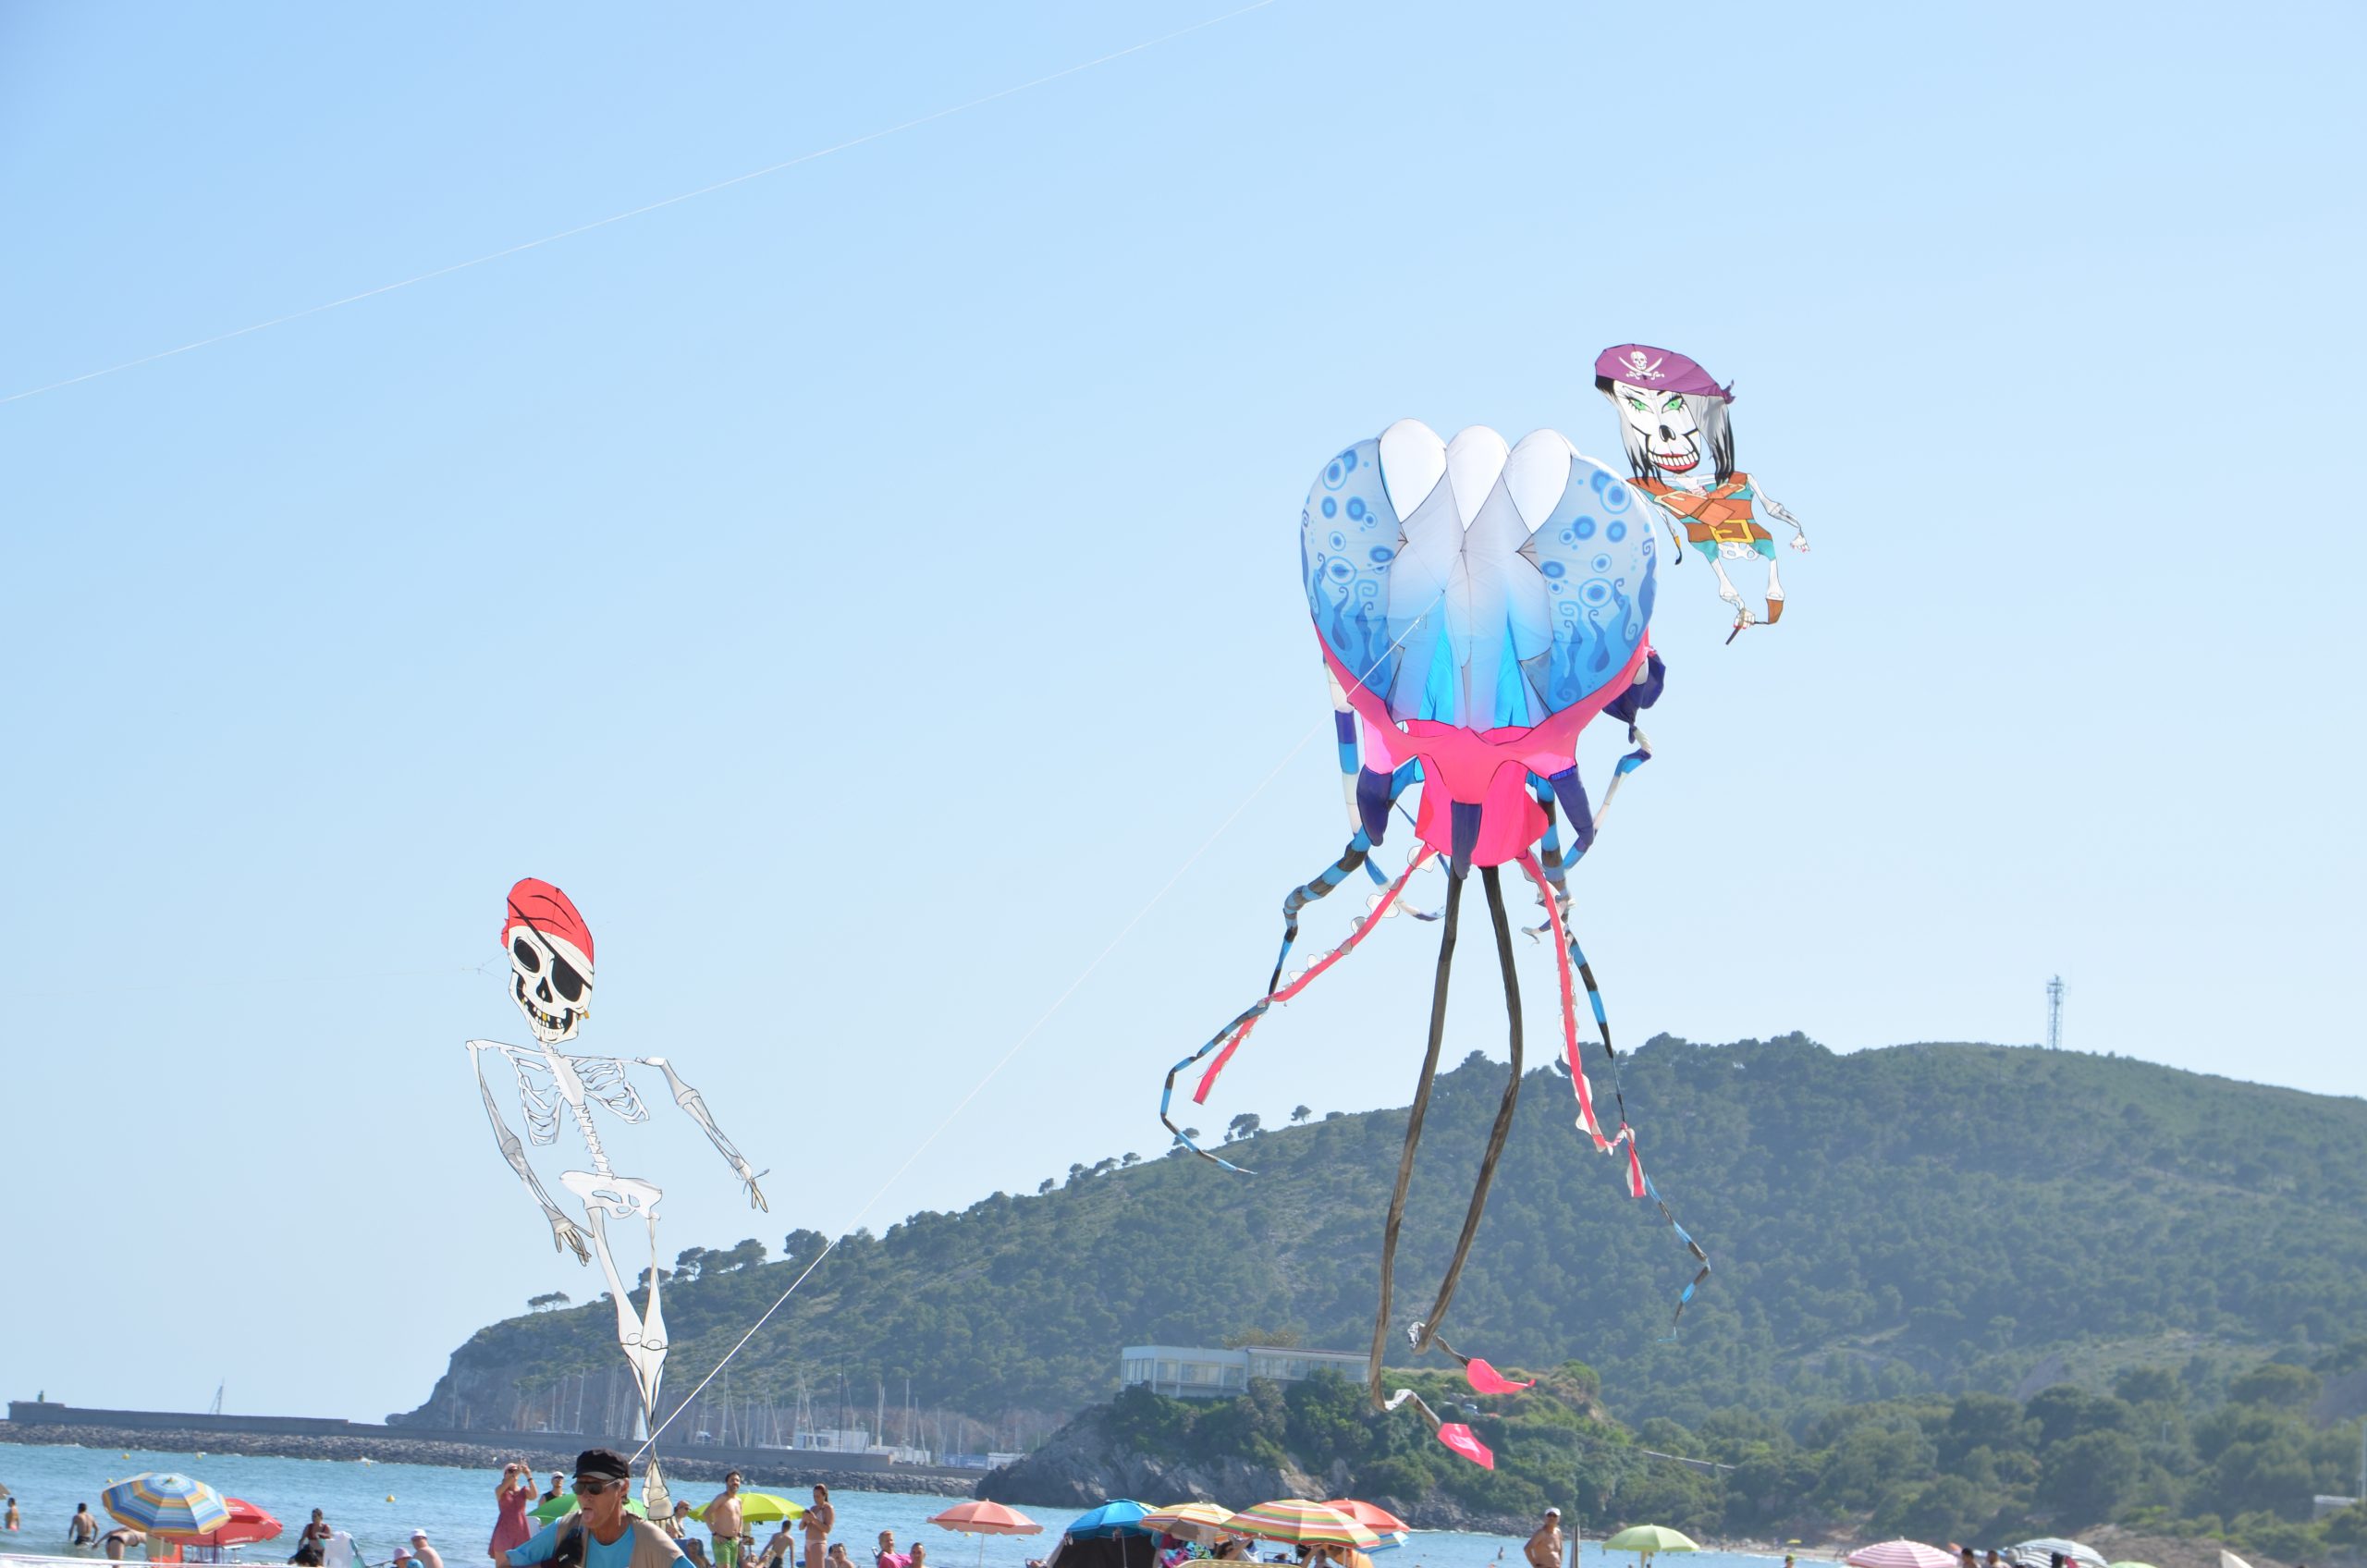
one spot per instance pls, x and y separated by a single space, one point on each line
1414 1137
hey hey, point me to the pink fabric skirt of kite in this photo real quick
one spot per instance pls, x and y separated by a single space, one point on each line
1488 769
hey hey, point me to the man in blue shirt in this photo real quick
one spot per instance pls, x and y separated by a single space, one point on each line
599 1532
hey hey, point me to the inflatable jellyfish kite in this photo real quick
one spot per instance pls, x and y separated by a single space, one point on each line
1477 606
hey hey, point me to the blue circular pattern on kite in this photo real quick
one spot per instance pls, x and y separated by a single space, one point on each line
1615 497
1616 533
1339 541
1584 528
1330 507
1600 563
1356 508
1596 591
1382 554
1338 572
1554 569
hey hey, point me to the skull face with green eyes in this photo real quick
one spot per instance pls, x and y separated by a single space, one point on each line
1663 427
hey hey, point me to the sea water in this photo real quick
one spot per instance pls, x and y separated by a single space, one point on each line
383 1503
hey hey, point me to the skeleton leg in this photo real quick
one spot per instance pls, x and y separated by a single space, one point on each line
1774 594
1728 592
643 1339
654 1500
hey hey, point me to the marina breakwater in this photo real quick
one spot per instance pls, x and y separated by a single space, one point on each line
300 1436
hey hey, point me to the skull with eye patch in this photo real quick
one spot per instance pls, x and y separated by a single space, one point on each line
550 959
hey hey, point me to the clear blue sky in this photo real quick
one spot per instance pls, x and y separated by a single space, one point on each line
864 587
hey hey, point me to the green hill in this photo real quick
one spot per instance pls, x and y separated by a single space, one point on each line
1883 1224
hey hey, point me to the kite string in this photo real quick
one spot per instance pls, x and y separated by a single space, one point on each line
1004 1061
646 208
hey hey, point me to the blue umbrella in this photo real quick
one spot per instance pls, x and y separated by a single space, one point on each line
1116 1517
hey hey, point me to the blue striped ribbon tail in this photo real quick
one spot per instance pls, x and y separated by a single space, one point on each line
1326 883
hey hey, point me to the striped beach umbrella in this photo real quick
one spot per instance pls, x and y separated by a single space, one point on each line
164 1503
1201 1522
1900 1554
1296 1521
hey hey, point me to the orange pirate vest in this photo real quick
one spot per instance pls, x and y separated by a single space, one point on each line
1715 517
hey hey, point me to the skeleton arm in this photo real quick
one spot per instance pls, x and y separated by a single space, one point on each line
691 1101
1776 510
563 1231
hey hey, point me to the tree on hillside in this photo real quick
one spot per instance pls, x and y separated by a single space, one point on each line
747 1255
805 1243
548 1298
1246 1126
1045 1185
1131 1159
1300 1113
690 1262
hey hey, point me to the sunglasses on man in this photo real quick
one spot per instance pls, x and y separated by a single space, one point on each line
594 1488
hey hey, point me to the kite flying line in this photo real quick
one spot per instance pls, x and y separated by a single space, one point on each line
1017 1045
646 208
1028 1034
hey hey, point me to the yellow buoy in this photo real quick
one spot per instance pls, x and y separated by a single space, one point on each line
390 1497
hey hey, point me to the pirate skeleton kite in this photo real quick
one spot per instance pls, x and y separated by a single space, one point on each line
1669 408
550 963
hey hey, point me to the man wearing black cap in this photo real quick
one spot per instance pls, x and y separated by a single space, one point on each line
599 1532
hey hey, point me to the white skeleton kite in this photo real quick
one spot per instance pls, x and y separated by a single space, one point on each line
550 963
1669 409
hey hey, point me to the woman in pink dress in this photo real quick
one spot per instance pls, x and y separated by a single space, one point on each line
512 1498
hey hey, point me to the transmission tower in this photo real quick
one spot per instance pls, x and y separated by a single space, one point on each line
2054 1013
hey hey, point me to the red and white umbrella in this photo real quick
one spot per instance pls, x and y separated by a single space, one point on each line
1900 1554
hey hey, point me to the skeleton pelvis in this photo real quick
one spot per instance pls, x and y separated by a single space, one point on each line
623 1196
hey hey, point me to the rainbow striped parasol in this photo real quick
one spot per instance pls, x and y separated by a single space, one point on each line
1296 1521
164 1503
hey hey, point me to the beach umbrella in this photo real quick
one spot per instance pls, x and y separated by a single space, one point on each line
565 1504
1372 1516
760 1508
1900 1554
2041 1552
1296 1521
1118 1516
164 1504
1201 1522
1652 1537
247 1524
984 1519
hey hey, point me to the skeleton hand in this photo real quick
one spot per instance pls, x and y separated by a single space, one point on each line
564 1235
1800 543
755 1193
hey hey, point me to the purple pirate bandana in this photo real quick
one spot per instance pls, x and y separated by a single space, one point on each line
1641 365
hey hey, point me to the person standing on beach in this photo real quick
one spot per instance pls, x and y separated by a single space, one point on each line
724 1523
817 1525
511 1498
558 1487
599 1532
16 1520
1544 1548
426 1555
82 1530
